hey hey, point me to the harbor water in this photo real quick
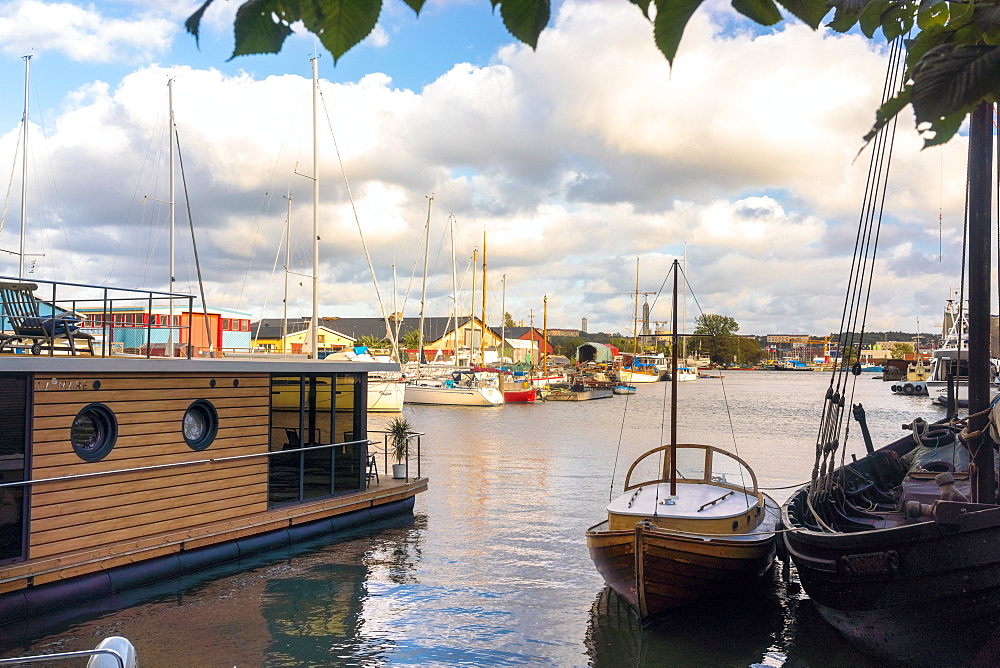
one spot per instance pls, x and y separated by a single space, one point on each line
492 569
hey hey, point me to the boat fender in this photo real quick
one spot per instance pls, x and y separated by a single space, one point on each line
908 388
120 646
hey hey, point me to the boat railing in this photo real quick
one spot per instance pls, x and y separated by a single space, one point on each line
695 463
414 435
113 651
196 462
139 320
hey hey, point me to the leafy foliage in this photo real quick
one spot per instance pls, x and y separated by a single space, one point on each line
953 60
718 337
399 438
900 350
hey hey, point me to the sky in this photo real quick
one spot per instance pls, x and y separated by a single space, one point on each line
572 163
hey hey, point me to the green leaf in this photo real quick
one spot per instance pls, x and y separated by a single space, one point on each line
870 19
525 19
889 109
643 5
261 26
810 12
415 5
945 128
340 24
668 26
193 22
932 14
764 12
846 13
953 78
898 20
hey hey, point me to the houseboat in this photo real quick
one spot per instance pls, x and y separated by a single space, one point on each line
119 470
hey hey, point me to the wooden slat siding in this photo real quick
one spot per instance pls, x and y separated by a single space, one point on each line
125 407
88 561
55 465
143 491
81 515
138 483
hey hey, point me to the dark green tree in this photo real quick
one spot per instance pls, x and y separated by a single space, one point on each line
508 320
953 48
717 337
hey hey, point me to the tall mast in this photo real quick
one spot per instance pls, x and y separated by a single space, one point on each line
288 254
503 318
314 321
635 316
545 335
980 168
472 311
482 340
673 392
423 287
24 169
454 288
170 198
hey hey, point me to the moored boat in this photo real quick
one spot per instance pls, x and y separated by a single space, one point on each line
120 470
623 389
690 523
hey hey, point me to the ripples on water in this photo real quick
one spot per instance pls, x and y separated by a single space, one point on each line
493 569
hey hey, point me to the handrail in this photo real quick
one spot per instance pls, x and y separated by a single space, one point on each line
38 658
155 467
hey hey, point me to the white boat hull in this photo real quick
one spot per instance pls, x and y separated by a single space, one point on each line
632 377
386 396
453 396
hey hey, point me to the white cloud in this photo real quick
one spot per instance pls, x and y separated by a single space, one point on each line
83 34
576 158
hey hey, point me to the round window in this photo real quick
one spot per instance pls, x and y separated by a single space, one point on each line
93 432
200 424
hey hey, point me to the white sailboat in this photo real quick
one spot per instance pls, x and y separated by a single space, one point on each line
459 390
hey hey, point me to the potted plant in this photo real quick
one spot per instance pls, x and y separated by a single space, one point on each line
399 443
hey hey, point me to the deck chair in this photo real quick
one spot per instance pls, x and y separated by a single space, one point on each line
372 471
38 325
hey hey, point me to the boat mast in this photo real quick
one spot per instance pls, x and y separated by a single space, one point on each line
635 317
314 321
673 391
423 287
24 169
503 319
170 196
980 168
454 288
482 340
472 311
284 314
545 335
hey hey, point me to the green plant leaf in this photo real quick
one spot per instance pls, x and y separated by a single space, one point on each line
870 18
261 26
668 26
944 128
933 13
415 5
810 12
889 109
643 5
846 13
764 12
193 22
525 19
953 78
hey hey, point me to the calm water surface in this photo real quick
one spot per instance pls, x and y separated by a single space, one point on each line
492 569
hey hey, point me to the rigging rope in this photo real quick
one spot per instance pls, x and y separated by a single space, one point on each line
844 376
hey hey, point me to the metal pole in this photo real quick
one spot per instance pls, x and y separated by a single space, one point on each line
24 170
423 288
673 391
170 199
314 322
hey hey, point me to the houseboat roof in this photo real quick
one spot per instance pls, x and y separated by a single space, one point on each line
61 364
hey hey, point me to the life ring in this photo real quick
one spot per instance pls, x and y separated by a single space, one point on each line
908 388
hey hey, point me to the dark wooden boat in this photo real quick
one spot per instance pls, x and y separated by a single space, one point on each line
890 548
690 524
712 537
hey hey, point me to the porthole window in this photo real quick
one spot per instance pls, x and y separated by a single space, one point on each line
93 432
200 424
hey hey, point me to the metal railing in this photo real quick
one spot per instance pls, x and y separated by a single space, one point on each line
98 306
385 451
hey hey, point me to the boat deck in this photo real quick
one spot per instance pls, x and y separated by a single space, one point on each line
691 501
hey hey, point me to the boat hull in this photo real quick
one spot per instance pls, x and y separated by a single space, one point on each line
656 571
630 377
453 396
386 396
522 396
926 593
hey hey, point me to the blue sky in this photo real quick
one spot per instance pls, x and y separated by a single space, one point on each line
575 159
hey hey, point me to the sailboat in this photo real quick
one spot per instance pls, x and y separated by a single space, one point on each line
700 528
900 550
633 369
462 389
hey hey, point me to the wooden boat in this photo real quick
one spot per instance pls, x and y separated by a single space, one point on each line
889 548
631 376
690 524
579 393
